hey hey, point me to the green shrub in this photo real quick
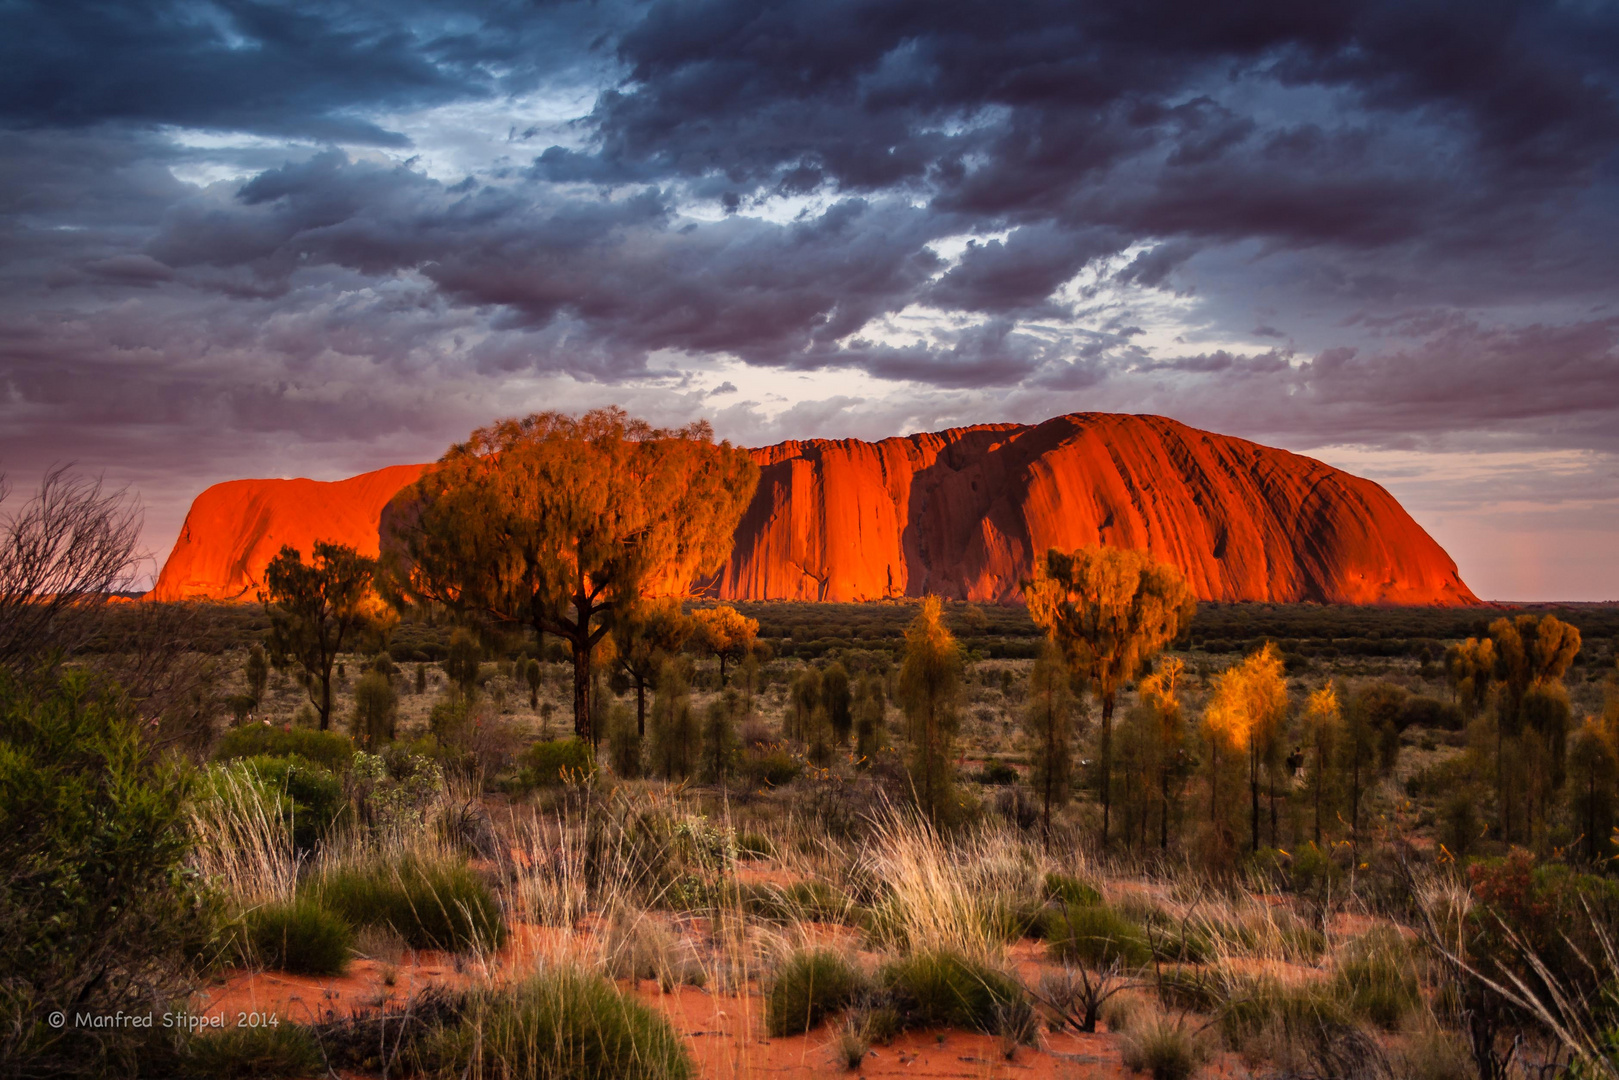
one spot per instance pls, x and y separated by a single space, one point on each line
1374 978
1097 936
773 766
1312 871
432 904
562 1024
312 799
940 988
1163 1049
810 985
283 1052
1069 890
301 937
557 762
752 845
328 749
93 842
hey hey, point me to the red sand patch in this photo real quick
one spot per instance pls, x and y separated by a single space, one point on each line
723 1031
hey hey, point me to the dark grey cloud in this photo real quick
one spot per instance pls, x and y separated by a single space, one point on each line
232 230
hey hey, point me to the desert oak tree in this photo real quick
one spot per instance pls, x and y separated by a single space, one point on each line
554 522
316 608
1110 611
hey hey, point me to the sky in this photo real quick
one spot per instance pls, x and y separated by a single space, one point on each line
312 239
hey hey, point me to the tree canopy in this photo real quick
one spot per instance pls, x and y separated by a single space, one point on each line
315 609
554 521
725 632
1109 610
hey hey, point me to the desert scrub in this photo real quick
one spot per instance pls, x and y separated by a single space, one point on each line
1374 978
328 749
1270 1011
561 1024
283 1052
94 836
309 798
1163 1049
638 947
1069 890
940 988
1096 935
431 903
560 761
300 937
810 985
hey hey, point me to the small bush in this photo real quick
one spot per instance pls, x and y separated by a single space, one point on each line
330 750
1098 936
561 1024
432 904
752 845
944 989
301 937
772 766
809 986
559 761
282 1052
1163 1049
312 799
1374 978
1069 890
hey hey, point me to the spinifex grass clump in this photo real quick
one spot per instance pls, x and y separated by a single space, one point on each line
1069 891
301 937
1096 935
562 1023
285 1051
1163 1049
1375 979
433 903
940 988
329 749
809 986
801 901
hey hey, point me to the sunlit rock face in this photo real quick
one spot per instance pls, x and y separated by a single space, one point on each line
234 529
961 513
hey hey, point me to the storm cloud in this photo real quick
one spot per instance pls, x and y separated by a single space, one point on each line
247 237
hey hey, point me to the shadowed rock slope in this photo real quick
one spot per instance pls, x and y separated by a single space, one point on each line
959 512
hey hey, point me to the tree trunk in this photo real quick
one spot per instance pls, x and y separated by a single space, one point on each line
640 708
582 727
1253 793
326 698
722 671
1163 795
1107 764
1319 780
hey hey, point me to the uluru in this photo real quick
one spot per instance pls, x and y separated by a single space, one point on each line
959 512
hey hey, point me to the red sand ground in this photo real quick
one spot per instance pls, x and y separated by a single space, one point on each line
724 1031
